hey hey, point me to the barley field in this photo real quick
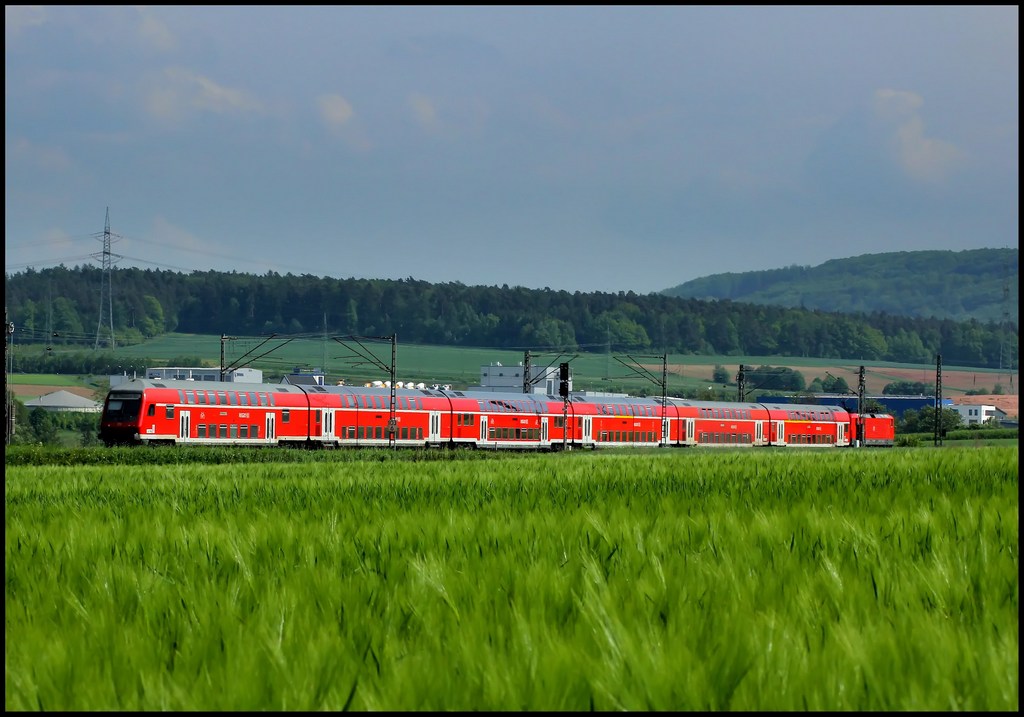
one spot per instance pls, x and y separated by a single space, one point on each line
670 580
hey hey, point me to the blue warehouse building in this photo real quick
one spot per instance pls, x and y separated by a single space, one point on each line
894 405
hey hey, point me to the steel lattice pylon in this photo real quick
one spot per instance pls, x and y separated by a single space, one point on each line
107 260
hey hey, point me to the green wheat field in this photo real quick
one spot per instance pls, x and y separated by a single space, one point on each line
669 580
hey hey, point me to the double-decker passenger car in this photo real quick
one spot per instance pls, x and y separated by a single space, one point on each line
146 411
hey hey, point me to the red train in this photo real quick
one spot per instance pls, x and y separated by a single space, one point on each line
190 412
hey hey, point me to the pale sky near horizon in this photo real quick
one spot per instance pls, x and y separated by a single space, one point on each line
578 148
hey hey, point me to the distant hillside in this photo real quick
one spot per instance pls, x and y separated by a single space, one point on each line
927 284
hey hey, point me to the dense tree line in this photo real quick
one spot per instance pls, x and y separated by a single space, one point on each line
61 306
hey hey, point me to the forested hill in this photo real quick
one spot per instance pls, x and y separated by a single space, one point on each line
958 285
61 306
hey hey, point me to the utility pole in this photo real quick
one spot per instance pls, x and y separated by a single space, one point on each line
741 389
107 260
861 383
223 339
563 391
392 420
526 372
8 368
938 400
360 351
664 398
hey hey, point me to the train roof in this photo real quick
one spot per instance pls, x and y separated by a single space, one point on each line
510 400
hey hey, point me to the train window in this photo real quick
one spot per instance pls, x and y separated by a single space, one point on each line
201 395
254 431
351 432
317 415
243 399
232 398
201 430
253 400
405 432
243 430
234 431
361 432
604 436
169 412
223 430
377 433
270 399
285 415
151 411
458 419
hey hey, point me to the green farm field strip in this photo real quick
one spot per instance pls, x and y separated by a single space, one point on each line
461 365
691 580
47 379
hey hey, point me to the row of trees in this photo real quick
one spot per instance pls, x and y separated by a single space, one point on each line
41 426
61 306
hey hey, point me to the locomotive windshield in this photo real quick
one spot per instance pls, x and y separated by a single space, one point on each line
122 407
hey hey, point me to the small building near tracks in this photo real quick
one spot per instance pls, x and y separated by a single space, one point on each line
64 402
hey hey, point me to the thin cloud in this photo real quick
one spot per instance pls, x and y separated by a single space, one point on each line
335 110
46 157
17 18
154 33
338 114
181 92
423 110
921 157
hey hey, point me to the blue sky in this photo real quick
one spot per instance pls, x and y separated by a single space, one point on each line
577 148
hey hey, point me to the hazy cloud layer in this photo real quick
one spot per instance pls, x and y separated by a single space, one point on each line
584 148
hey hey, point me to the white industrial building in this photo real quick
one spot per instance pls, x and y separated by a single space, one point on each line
509 379
973 414
202 373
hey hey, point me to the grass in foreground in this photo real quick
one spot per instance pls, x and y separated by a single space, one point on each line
682 580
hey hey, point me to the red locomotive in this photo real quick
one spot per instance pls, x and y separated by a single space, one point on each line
190 412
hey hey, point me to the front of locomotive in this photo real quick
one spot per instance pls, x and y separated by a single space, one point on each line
119 423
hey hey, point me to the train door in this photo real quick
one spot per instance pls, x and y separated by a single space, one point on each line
544 430
184 426
483 428
689 436
780 432
758 433
435 427
328 424
588 431
271 433
841 434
